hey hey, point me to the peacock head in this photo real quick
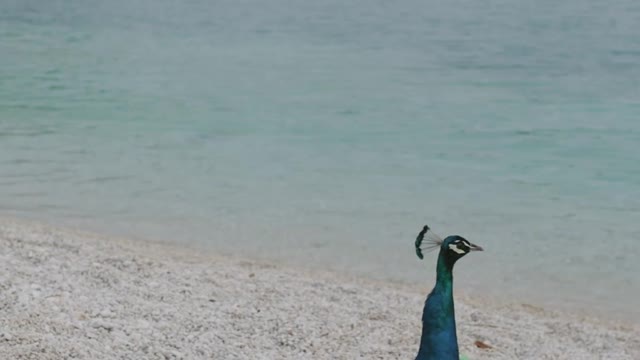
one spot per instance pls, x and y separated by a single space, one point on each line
453 247
456 246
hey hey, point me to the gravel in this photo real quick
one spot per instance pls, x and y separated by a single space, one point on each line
66 294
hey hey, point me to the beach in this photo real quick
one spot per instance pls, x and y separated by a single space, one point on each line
325 136
71 294
246 179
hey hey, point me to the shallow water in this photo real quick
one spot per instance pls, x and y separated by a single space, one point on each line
326 134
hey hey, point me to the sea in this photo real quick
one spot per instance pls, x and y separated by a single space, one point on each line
324 134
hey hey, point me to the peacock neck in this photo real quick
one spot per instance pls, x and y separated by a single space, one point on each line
444 275
439 340
444 286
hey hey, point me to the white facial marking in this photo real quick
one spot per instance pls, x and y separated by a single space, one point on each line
468 244
456 249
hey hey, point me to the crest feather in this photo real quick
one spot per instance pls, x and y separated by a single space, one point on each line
426 241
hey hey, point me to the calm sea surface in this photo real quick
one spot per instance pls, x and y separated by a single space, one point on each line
326 133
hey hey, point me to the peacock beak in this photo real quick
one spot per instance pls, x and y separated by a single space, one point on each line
474 247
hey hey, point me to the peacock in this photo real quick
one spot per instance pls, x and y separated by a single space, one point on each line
439 340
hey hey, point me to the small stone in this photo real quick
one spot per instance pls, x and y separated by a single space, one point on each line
144 324
475 317
99 324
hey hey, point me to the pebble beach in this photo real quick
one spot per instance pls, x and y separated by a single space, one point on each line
67 294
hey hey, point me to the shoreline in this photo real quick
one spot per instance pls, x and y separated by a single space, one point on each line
66 292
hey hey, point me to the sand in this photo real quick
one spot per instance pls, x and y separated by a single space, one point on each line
72 295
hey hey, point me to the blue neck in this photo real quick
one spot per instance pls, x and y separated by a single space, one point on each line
439 340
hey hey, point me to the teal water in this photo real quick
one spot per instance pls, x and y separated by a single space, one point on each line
327 133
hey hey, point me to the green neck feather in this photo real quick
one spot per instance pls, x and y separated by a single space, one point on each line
444 274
